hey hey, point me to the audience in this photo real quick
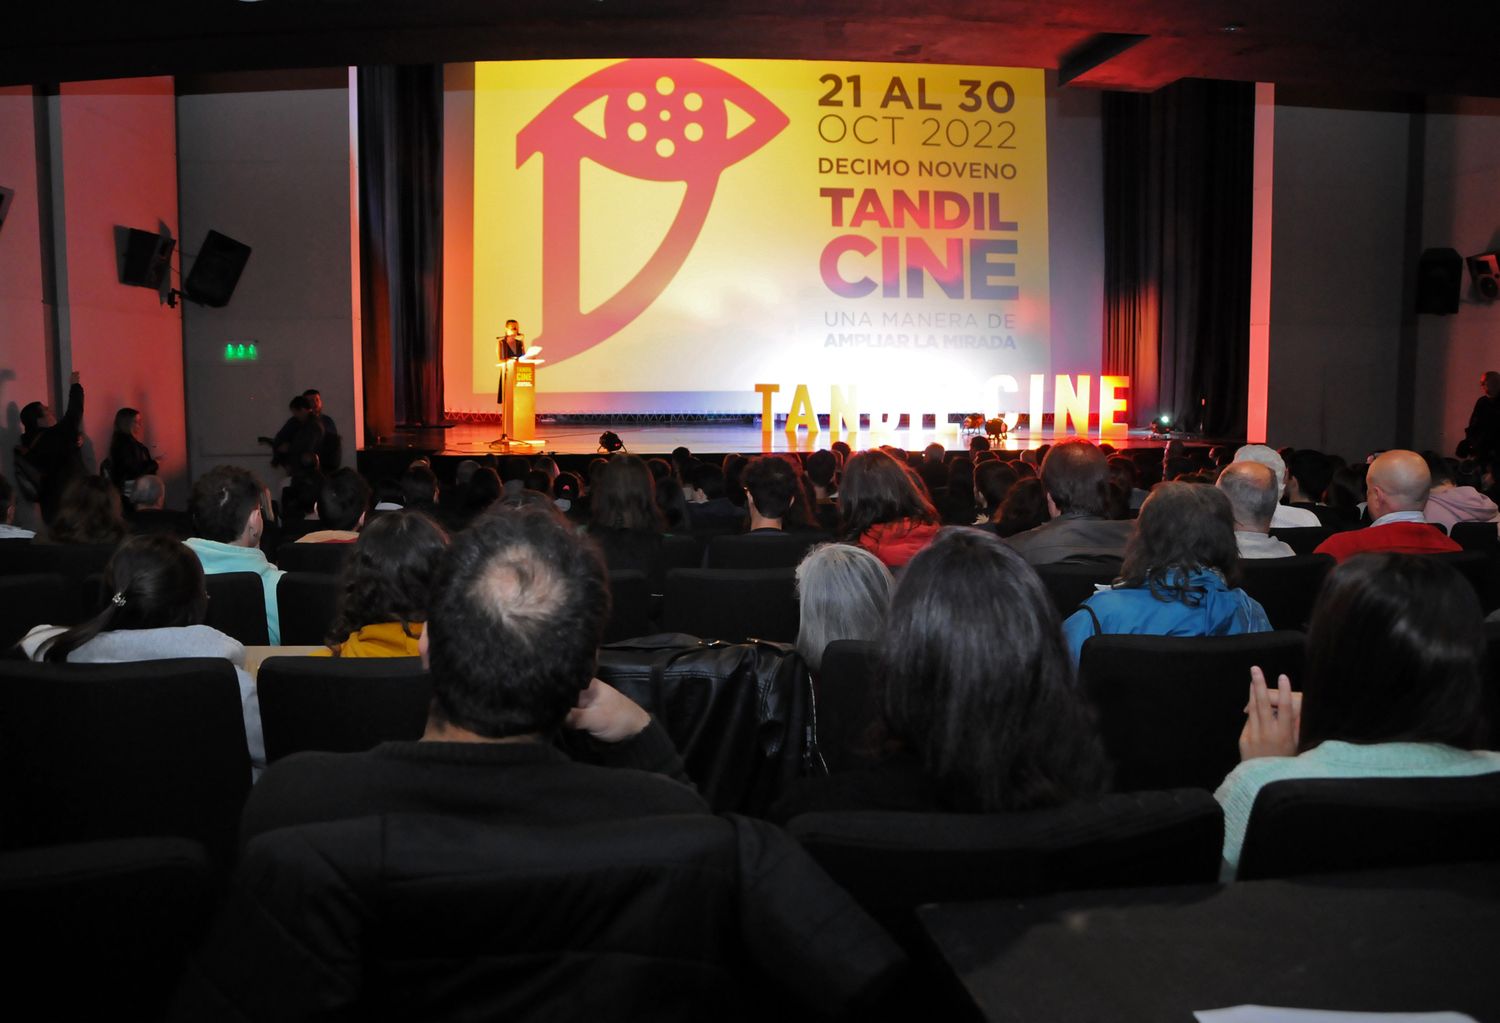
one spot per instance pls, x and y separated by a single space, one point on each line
710 506
89 512
1251 489
771 491
50 452
1396 490
1025 505
884 509
1075 476
1285 516
981 712
843 592
1394 687
227 524
385 588
1178 575
343 502
154 612
8 529
1448 503
993 480
624 518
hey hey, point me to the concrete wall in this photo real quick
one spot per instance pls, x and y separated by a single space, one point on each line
265 159
1460 210
1339 264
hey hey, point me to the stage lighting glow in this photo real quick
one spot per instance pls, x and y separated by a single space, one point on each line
875 226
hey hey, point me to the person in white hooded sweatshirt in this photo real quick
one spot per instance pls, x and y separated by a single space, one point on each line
155 612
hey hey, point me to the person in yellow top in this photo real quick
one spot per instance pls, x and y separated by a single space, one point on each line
385 587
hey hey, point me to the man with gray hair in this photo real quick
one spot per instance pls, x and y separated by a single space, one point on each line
1251 489
1396 489
1283 516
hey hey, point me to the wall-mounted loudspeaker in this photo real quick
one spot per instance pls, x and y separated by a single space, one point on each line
217 270
1484 269
1440 274
147 258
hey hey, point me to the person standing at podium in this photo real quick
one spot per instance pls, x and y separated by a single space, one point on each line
511 345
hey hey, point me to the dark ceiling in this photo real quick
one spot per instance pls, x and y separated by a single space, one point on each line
1391 47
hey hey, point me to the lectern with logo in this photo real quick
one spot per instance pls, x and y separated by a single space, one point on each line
518 395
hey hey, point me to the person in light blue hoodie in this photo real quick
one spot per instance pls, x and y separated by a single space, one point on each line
227 521
1177 576
155 612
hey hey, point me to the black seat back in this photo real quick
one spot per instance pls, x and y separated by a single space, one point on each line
27 601
732 604
1285 587
1071 584
237 607
1302 539
307 603
1171 708
325 558
630 605
1475 567
848 703
340 704
1476 536
1328 825
146 748
761 550
80 564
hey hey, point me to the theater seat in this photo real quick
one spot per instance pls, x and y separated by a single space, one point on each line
761 550
848 703
99 926
97 751
308 603
732 604
1071 584
630 605
893 862
340 704
1303 539
78 563
27 601
326 558
1286 587
1326 825
1476 536
237 607
1171 708
408 916
1475 567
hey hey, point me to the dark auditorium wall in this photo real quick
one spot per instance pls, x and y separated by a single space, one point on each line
1338 266
1460 210
265 158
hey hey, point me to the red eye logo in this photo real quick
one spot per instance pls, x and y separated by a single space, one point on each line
664 120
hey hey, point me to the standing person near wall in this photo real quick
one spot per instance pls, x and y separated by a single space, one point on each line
331 447
1482 435
129 458
50 454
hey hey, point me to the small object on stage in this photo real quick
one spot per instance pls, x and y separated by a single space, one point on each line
610 442
996 428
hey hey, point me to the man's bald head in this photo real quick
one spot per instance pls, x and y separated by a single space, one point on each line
1397 481
1253 494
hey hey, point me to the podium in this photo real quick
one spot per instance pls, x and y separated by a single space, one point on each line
518 397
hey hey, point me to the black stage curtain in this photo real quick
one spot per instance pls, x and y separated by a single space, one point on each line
401 245
1178 181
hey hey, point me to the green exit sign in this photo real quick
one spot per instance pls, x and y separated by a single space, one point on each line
241 352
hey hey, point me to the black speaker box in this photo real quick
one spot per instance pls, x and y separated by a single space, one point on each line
1440 274
1485 271
217 270
147 260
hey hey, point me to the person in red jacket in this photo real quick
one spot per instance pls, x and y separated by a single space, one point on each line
884 508
1396 490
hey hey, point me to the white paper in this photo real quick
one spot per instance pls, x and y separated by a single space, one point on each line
1273 1014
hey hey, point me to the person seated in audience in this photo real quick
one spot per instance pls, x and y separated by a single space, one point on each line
822 468
1025 505
480 493
419 489
1308 475
151 514
993 480
1346 494
517 609
674 507
343 503
710 506
934 476
512 472
300 436
1178 576
980 709
299 496
957 506
539 482
624 518
155 611
843 592
50 451
884 509
387 495
1123 473
771 491
8 528
1448 503
1075 476
227 522
385 588
1396 490
734 487
1285 516
89 512
1251 489
567 488
129 458
1393 687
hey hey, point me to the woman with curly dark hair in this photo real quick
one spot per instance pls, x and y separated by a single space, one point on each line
1179 576
385 587
883 507
624 518
89 512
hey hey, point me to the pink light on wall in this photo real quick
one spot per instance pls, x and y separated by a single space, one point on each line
1259 384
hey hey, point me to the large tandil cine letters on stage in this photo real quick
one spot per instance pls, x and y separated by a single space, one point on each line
672 231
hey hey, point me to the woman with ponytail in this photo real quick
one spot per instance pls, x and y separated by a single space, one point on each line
155 611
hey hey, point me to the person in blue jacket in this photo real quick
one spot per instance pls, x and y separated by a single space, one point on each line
1178 575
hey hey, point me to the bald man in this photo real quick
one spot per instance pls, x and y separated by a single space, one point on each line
1396 490
1252 492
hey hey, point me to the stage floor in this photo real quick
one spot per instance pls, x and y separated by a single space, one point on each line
473 440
